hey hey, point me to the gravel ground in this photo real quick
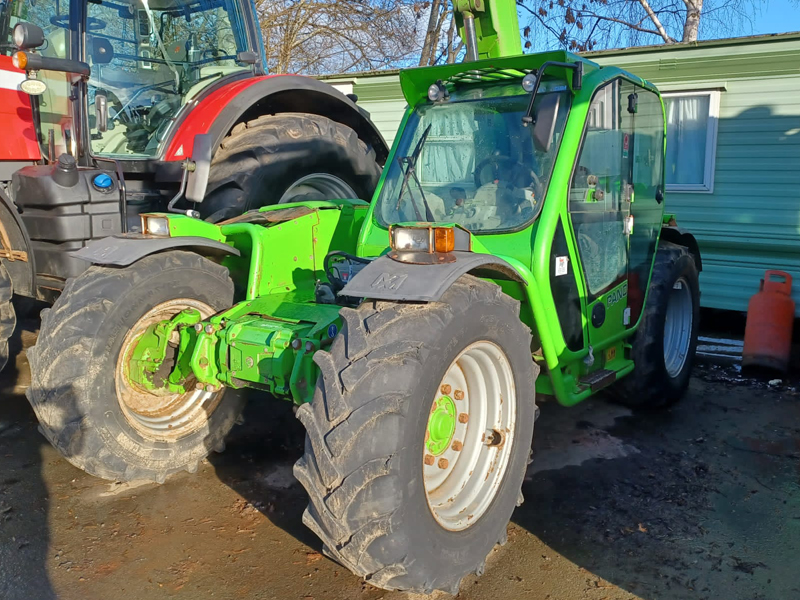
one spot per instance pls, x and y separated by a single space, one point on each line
700 501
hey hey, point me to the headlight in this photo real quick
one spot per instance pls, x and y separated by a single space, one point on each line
438 91
28 36
19 36
155 226
529 82
428 239
411 240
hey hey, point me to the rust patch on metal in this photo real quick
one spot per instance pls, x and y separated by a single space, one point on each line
6 251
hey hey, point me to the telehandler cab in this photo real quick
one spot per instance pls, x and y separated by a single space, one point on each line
517 245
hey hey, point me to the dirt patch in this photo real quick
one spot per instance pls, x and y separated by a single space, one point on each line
699 501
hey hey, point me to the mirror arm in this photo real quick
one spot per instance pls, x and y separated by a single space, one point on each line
186 166
195 175
577 77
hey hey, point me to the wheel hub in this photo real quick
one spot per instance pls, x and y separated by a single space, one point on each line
441 425
469 436
317 186
160 413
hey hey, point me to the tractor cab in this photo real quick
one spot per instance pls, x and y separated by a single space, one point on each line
147 60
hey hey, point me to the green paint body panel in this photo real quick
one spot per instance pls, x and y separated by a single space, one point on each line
250 344
267 340
750 222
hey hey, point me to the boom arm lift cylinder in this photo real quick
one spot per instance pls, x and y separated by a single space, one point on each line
489 28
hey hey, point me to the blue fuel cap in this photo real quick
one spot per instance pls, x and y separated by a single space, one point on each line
103 182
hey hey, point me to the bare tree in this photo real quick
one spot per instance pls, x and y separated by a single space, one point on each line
318 36
593 24
441 42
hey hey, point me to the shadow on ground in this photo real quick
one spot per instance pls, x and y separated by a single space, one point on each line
24 501
703 500
258 460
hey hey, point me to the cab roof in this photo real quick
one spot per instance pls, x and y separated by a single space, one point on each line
415 82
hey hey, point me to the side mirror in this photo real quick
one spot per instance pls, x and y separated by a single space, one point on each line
545 121
199 167
28 36
248 58
101 112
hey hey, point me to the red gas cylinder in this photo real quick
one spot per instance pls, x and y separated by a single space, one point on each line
770 317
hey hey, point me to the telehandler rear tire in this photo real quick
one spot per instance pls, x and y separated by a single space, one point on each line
91 413
8 318
287 157
418 436
665 343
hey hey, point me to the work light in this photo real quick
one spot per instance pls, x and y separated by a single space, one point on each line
28 36
155 225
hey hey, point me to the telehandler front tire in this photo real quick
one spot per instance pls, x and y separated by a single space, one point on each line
419 435
86 406
665 343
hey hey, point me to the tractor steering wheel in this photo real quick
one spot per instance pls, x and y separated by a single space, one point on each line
497 161
92 23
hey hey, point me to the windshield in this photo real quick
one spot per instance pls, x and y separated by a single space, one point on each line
470 162
149 57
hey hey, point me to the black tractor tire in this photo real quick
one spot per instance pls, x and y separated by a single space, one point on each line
262 158
650 385
362 466
8 318
73 387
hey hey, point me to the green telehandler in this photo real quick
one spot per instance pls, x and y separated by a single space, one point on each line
517 245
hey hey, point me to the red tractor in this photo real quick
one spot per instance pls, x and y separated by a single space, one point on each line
101 102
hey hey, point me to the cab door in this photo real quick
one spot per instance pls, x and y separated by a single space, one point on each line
615 211
644 210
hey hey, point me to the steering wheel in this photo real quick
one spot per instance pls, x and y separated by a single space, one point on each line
92 23
498 162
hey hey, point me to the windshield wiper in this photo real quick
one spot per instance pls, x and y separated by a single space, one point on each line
411 163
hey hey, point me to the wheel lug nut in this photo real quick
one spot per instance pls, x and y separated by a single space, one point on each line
429 459
457 446
446 389
443 462
296 343
459 395
198 327
463 417
199 386
209 328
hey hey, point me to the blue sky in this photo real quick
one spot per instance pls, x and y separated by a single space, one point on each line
777 16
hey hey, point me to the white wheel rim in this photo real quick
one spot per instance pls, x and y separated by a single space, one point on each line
460 483
678 328
163 417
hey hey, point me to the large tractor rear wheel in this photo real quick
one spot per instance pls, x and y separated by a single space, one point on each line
288 157
88 407
664 345
419 435
8 318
